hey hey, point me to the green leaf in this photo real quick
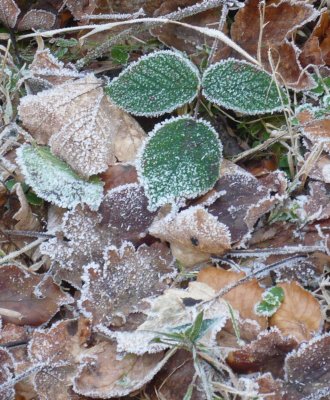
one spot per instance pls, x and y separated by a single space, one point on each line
242 87
155 84
194 331
181 159
272 300
120 54
54 181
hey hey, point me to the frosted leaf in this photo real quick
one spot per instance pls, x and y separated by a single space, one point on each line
80 124
48 68
242 87
271 300
155 84
180 159
193 228
9 11
265 354
124 211
246 199
122 216
59 349
37 19
27 298
307 370
54 181
300 313
106 376
6 374
175 308
127 277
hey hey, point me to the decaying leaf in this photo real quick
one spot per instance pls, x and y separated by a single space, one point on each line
36 19
50 70
243 298
27 298
315 206
9 11
281 19
270 387
235 207
80 124
265 354
126 375
299 314
119 174
193 228
26 219
307 370
315 130
173 381
123 216
6 374
316 48
127 277
58 351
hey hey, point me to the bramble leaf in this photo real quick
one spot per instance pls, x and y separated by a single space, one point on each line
53 180
181 159
242 87
156 84
272 300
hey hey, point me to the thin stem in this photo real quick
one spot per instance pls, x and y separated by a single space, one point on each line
24 249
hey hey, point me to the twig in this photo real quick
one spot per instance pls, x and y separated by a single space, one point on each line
275 251
24 249
28 234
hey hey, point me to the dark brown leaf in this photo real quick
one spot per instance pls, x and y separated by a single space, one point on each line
27 298
9 11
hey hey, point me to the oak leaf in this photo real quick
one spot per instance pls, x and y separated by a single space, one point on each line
126 278
299 314
122 216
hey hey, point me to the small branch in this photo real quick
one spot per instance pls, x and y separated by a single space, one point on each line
285 250
28 234
24 249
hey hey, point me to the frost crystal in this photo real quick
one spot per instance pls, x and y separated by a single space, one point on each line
242 87
181 159
157 83
54 181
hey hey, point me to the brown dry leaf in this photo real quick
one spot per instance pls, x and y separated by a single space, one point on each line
124 376
243 298
307 370
281 19
118 174
37 19
316 50
173 380
299 314
9 11
185 39
10 333
195 229
26 219
80 8
269 387
80 124
49 69
27 298
316 205
6 374
60 349
265 354
318 132
123 216
321 169
118 288
236 207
